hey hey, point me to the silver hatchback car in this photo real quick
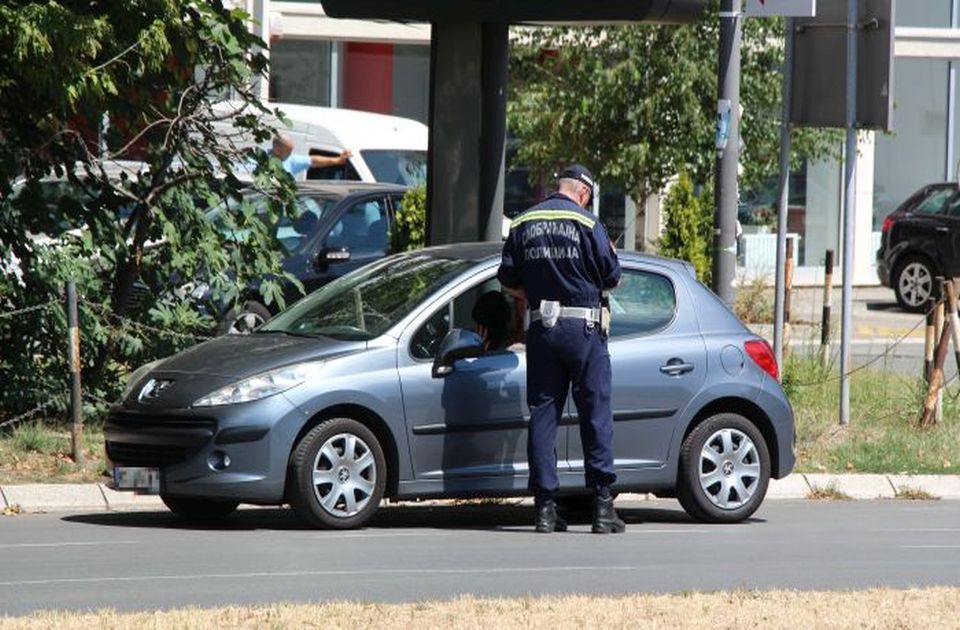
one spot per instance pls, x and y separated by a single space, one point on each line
376 386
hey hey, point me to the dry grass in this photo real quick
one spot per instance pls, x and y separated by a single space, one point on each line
875 608
827 493
915 494
40 453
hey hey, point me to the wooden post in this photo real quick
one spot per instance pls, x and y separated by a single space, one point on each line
827 308
954 319
941 331
929 341
787 289
934 391
73 363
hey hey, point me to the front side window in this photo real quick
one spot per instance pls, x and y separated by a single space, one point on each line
290 232
362 228
643 303
366 303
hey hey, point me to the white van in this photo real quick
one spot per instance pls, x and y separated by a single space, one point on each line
387 149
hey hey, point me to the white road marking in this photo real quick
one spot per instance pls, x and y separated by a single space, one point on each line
68 544
282 574
930 546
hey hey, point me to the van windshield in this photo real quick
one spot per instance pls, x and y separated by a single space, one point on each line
397 166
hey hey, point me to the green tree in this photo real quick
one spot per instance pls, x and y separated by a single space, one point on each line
155 68
409 229
637 104
686 233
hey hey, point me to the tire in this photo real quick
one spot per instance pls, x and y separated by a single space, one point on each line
338 474
913 283
242 321
706 489
194 509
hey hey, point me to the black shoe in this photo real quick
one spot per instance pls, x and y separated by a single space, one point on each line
547 520
605 519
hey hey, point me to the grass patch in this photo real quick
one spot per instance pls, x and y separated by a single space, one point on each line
915 494
753 302
882 436
41 452
828 493
874 608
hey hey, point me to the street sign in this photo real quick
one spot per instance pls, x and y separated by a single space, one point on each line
780 8
820 66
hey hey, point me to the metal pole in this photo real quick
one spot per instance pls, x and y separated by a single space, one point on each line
849 212
782 206
951 104
73 362
728 152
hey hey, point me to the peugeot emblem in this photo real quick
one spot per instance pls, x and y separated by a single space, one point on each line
154 387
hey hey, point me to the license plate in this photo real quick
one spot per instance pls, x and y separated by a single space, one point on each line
136 478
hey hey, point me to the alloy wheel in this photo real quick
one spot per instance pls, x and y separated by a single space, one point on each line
915 284
729 468
344 475
245 324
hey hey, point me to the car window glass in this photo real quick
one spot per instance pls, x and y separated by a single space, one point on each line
426 341
934 201
340 172
362 228
395 166
292 232
644 302
953 206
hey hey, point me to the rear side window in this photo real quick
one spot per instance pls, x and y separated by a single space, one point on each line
934 201
643 303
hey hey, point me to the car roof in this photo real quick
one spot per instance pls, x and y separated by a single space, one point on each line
343 188
481 251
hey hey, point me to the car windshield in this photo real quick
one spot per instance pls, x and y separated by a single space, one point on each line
364 304
291 232
395 166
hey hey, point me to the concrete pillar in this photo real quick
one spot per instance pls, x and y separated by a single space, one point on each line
468 74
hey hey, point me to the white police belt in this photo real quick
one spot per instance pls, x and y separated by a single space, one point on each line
550 311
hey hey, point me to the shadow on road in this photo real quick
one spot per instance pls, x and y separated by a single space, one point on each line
875 305
505 518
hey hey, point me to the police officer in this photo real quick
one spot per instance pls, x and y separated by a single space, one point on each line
559 257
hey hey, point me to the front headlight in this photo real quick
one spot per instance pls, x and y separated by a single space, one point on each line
138 374
262 385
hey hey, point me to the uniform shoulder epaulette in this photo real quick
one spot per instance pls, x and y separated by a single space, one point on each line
551 214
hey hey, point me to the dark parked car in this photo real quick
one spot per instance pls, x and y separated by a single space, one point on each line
341 226
920 241
376 386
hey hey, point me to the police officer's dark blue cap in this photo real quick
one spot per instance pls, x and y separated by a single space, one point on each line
579 173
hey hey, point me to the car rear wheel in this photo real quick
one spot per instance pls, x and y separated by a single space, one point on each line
338 475
245 320
913 284
195 509
724 469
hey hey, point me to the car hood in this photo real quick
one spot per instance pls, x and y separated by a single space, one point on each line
241 356
209 366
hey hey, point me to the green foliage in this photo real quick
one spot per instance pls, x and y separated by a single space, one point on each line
134 238
637 104
687 229
34 438
409 229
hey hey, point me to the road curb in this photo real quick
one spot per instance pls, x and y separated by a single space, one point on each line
73 497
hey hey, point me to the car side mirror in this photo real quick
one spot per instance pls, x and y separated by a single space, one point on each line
458 344
329 255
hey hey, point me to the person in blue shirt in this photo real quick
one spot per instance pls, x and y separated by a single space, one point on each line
296 163
559 258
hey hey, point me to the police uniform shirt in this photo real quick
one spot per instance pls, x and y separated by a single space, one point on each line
558 251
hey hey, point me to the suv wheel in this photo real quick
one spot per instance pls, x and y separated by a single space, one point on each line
338 475
913 284
195 509
724 469
243 321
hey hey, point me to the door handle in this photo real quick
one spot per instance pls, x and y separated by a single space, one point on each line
676 367
942 228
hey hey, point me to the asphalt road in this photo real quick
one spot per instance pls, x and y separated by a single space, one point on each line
139 561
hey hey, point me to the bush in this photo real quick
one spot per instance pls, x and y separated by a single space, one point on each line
410 223
686 234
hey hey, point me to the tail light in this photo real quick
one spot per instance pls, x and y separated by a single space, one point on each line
887 224
762 354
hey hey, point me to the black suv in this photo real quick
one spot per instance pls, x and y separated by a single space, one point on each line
341 226
920 241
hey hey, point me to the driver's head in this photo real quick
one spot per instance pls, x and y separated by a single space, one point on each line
493 312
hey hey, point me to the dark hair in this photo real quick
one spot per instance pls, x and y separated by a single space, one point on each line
492 311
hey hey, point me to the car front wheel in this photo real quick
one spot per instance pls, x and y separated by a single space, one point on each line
338 475
724 469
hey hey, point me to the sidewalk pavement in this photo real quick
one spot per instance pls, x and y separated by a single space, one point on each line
95 496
